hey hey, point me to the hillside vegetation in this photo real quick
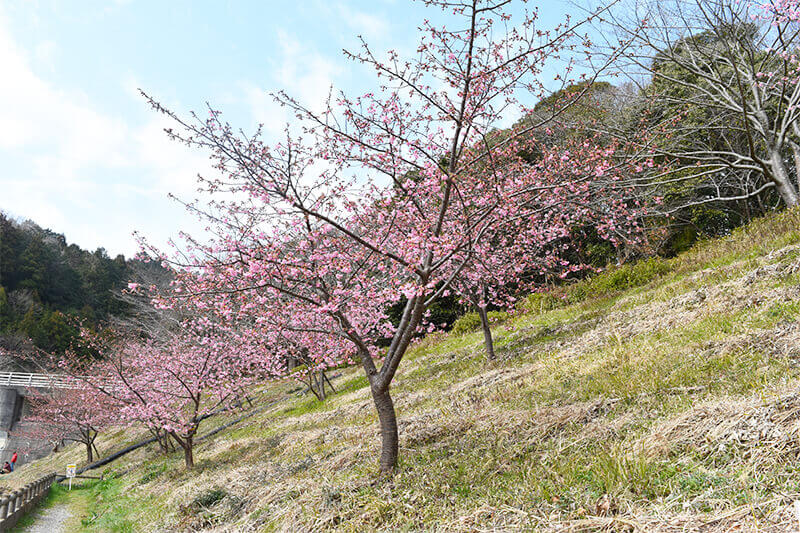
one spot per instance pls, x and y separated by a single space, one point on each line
48 285
661 395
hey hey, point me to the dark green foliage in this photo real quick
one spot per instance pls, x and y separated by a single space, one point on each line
619 278
472 322
51 331
466 324
630 275
444 312
48 286
5 310
589 95
208 498
540 302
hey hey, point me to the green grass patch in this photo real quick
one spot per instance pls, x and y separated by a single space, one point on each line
54 497
569 412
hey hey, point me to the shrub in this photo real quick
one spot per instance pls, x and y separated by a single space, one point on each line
539 302
208 498
633 275
472 322
498 317
619 278
466 324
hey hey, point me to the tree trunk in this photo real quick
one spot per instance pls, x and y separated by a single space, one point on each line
488 342
188 455
321 384
388 422
162 438
781 178
311 387
762 209
167 447
328 381
185 443
89 455
796 154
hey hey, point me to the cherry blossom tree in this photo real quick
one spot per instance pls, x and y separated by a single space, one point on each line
70 414
317 235
302 366
577 183
169 385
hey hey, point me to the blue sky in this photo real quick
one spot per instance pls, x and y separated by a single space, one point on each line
85 156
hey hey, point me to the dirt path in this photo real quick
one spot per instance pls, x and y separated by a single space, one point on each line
50 520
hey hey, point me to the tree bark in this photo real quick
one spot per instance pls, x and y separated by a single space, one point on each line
388 422
188 455
781 177
311 387
187 444
488 342
89 455
162 438
321 384
168 446
796 154
328 381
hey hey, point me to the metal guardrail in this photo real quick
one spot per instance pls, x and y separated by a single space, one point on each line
44 381
15 505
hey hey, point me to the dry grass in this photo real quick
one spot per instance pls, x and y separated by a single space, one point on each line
670 404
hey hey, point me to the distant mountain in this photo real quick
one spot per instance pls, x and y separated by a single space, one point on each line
46 284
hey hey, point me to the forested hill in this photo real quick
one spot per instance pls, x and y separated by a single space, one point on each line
46 283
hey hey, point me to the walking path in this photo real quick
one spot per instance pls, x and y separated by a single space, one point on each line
51 520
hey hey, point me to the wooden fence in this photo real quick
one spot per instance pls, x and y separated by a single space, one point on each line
15 505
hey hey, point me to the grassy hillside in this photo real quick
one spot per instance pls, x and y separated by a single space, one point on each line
658 396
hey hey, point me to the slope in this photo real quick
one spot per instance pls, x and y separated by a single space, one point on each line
661 395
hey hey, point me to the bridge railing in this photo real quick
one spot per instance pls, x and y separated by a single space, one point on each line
45 381
14 506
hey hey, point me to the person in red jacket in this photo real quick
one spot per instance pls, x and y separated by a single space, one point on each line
13 461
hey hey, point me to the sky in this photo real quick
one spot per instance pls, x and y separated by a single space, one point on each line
84 155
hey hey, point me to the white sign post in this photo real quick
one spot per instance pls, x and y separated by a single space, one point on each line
71 474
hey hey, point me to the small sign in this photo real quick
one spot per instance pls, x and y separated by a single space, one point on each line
71 474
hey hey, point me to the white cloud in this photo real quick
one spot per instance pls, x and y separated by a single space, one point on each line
46 53
81 171
96 175
174 166
370 27
263 109
302 73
